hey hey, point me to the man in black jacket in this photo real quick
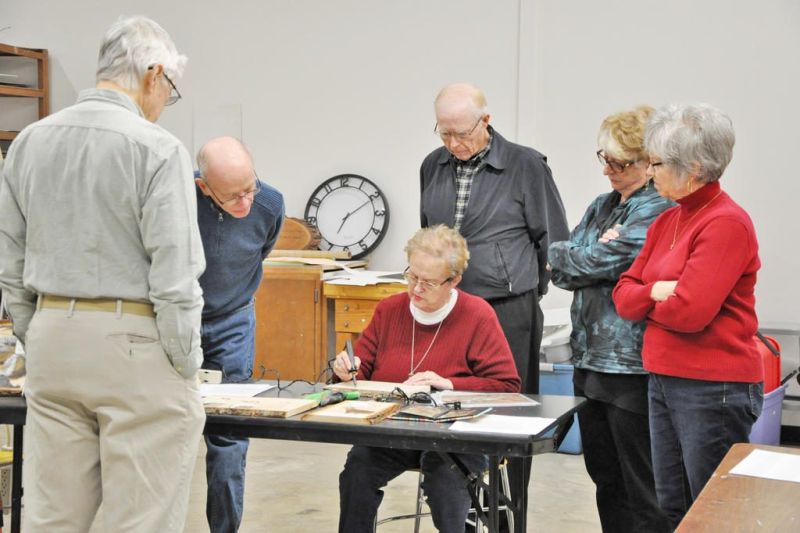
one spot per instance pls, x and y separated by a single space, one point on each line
502 198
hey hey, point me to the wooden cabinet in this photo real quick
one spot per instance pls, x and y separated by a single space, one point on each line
289 324
295 310
10 88
353 308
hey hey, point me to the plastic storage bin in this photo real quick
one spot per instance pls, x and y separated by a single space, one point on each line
557 379
767 429
557 327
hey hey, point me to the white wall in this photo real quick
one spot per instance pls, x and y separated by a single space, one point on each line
326 87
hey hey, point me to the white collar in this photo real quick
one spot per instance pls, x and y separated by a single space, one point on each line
434 317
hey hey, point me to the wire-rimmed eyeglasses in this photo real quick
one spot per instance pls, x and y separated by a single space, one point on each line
174 93
232 198
460 135
413 280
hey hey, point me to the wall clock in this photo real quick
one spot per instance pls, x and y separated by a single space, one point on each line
350 213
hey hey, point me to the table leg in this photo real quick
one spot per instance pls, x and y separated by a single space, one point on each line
16 481
494 493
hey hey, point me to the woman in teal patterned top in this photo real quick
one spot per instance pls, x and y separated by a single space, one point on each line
606 350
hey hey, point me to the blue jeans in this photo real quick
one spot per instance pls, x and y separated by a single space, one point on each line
693 423
228 345
367 470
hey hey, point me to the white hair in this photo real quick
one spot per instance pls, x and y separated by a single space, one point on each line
132 45
692 138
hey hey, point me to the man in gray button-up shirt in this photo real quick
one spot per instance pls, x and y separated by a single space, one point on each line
100 256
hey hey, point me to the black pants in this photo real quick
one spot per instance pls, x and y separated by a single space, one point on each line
367 470
521 319
616 450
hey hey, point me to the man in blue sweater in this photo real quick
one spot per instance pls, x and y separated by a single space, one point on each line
240 219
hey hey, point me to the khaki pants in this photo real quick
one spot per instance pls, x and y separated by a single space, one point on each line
109 420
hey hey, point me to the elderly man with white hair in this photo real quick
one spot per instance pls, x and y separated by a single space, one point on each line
100 256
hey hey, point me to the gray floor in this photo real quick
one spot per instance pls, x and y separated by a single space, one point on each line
293 487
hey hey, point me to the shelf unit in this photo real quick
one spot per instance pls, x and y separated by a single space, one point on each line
40 92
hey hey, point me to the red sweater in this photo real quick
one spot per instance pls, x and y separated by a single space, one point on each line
470 349
705 330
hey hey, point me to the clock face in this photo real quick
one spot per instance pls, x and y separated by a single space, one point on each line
350 213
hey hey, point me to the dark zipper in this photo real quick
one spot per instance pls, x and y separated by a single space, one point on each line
503 264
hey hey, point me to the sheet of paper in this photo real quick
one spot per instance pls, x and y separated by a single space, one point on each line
485 399
233 389
362 278
509 425
769 465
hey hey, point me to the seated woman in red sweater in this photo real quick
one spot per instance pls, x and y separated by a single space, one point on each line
694 283
432 335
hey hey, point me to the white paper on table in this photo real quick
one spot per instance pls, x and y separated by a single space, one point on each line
513 425
233 389
362 278
769 465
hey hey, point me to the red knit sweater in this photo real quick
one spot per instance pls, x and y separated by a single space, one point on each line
470 349
705 331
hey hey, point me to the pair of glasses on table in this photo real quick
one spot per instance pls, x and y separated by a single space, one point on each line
407 399
418 398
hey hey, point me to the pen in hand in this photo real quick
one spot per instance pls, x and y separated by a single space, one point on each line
348 346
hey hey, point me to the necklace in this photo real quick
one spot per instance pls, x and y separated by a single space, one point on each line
678 220
411 367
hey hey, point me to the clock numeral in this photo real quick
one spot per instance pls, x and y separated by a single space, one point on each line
361 185
363 245
315 202
328 187
375 195
344 181
312 220
346 249
380 213
376 231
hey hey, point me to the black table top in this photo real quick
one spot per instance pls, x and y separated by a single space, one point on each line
388 433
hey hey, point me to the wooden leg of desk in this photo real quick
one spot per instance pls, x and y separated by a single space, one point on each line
16 481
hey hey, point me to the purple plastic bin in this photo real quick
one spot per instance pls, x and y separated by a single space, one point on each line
767 429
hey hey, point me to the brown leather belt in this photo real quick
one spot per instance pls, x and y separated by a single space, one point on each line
107 305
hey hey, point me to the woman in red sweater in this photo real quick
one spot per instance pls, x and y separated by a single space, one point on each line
694 284
432 335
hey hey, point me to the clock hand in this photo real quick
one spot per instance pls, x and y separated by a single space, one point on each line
344 219
350 213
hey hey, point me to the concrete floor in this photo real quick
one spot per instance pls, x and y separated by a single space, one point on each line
292 487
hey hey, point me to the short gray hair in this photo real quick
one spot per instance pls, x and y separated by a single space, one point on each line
442 242
696 138
132 45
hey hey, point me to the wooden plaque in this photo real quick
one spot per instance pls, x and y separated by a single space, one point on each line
297 234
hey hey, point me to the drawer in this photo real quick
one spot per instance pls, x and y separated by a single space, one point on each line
353 315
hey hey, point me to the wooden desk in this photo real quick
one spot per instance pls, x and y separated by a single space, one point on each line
352 308
732 503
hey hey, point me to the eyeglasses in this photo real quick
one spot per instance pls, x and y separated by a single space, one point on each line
615 166
174 94
460 135
427 285
232 198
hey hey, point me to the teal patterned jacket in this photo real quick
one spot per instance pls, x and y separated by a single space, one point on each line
601 340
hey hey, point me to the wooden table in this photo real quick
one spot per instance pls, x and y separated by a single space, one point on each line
731 503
